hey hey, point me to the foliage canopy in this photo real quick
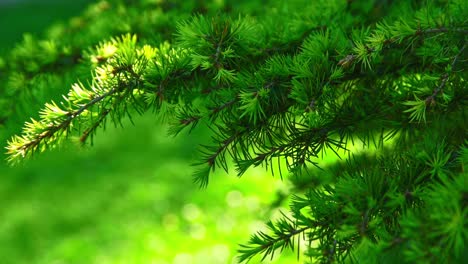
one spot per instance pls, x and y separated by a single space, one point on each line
281 84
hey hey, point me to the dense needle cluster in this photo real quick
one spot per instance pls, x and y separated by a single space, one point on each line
380 84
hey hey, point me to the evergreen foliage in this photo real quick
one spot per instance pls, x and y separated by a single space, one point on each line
281 84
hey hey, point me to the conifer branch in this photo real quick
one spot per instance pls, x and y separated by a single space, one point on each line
282 237
220 150
373 46
442 30
89 131
36 132
430 100
217 109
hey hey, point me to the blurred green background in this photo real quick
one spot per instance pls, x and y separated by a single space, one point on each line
33 16
129 198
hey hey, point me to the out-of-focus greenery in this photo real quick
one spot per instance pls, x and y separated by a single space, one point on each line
17 16
129 199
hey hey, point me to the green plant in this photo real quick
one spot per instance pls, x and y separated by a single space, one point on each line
380 84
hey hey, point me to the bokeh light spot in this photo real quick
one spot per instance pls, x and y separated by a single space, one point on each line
234 198
183 258
191 212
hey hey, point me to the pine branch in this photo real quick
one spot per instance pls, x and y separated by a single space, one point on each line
36 133
282 237
442 30
89 131
430 100
376 43
216 110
